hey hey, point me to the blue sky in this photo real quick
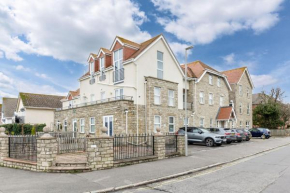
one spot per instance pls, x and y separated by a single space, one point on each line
44 45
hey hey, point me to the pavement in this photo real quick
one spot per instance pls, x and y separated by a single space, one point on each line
265 173
14 180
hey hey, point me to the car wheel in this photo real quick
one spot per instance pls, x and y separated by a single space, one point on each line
218 144
267 137
263 136
239 141
229 142
209 142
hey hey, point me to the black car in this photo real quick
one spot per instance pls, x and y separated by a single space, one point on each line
260 132
238 136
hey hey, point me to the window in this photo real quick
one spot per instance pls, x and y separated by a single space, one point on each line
219 82
58 125
221 101
211 122
171 124
65 125
157 95
247 124
185 121
240 90
201 122
248 92
92 67
248 109
210 79
103 96
92 97
218 124
201 98
102 64
92 125
82 123
159 65
210 99
241 124
232 124
157 122
118 59
171 98
241 110
119 93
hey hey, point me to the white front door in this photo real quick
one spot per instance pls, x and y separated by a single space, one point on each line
108 122
74 128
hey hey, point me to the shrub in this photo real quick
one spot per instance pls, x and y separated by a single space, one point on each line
16 129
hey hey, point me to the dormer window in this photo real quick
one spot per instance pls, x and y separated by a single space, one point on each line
92 67
102 64
118 59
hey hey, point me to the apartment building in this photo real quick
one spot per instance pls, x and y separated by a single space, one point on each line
139 87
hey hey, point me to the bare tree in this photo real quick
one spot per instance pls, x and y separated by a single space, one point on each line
285 114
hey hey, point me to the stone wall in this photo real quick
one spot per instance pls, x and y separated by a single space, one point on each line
205 110
19 164
46 152
3 148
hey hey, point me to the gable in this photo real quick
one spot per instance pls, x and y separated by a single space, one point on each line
246 78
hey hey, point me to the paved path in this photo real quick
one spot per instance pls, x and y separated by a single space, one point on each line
13 180
266 173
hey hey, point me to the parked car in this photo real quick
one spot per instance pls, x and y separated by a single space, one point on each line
260 132
201 135
248 134
243 134
229 135
238 136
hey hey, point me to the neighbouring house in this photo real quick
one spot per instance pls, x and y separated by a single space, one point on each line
0 114
256 100
139 87
209 95
241 95
8 110
37 108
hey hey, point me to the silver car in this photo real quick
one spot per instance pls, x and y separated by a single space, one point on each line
200 135
228 133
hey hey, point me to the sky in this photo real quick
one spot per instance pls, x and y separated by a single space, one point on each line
44 45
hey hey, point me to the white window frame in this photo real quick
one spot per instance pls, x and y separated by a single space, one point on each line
218 82
92 124
241 124
201 97
102 64
82 125
201 122
241 108
171 124
241 90
160 70
92 67
65 125
210 79
157 96
210 99
103 96
221 101
118 61
157 125
247 124
211 122
248 92
186 121
171 98
232 124
119 92
248 109
58 125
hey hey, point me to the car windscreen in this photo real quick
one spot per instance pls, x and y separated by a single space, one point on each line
205 131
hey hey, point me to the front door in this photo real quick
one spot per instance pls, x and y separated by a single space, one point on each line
108 122
74 128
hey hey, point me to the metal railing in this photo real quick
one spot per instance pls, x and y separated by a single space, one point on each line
23 147
189 106
133 146
118 75
170 143
71 145
122 97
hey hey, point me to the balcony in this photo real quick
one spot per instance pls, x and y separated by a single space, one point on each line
189 106
118 75
117 98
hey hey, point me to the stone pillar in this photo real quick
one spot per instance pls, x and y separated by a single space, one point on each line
4 145
46 150
159 144
181 144
100 152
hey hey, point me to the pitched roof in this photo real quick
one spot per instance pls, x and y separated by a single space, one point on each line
257 99
75 93
224 113
94 55
198 68
9 106
234 75
41 100
86 74
106 50
128 42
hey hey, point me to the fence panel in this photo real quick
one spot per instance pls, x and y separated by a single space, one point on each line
23 147
170 143
71 145
133 146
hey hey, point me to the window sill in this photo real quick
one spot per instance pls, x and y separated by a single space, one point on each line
157 104
119 82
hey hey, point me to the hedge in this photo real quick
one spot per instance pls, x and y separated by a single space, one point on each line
16 129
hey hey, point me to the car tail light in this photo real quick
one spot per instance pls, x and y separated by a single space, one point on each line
238 134
227 133
246 133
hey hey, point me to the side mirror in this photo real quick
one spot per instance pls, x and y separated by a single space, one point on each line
200 132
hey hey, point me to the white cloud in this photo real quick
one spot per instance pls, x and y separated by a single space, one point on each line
40 75
22 68
201 22
5 79
5 94
263 80
179 49
229 59
1 54
66 31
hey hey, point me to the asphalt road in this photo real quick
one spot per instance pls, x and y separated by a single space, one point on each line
265 173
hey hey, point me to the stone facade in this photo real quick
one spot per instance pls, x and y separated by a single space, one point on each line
100 153
244 99
205 110
3 148
181 145
19 164
159 146
46 153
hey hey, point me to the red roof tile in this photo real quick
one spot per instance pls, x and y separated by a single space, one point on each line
224 113
234 75
198 68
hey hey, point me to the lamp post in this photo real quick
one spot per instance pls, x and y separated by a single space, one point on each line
185 100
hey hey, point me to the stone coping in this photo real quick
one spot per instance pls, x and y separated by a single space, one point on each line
161 79
100 137
19 161
45 138
135 159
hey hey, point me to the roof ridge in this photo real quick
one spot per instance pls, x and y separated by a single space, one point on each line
244 67
39 94
130 41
